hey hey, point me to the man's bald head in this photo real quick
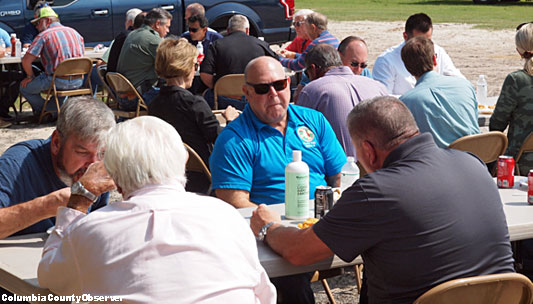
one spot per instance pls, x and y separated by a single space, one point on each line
263 64
354 53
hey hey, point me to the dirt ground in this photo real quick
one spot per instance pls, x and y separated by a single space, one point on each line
474 52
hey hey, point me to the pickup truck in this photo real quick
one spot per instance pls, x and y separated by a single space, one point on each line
99 21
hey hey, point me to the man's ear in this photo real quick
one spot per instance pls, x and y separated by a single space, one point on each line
434 60
56 143
405 37
371 154
246 91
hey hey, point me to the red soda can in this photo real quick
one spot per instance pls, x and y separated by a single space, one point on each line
530 187
505 171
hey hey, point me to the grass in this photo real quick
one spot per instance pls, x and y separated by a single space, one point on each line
504 15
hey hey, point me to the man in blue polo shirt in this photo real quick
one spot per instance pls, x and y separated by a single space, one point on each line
249 158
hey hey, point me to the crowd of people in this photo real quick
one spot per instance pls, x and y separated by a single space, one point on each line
165 242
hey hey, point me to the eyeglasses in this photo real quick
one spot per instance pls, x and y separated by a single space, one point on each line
522 24
298 23
263 88
194 29
362 65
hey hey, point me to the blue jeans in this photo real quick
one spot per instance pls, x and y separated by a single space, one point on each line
32 91
223 101
130 104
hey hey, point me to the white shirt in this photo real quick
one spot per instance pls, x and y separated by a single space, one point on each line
162 245
390 70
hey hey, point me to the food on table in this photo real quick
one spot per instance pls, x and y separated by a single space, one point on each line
308 223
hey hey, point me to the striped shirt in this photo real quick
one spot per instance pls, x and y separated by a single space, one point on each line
56 44
298 63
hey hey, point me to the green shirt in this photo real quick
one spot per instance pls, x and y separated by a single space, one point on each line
515 108
137 57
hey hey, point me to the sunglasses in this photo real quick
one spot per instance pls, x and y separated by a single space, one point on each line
522 24
194 29
196 66
362 65
263 88
298 23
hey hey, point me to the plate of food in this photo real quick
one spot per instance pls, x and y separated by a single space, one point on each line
485 109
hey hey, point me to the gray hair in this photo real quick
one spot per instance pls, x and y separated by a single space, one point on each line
385 121
144 151
317 19
524 45
303 12
85 117
238 23
156 14
132 13
323 56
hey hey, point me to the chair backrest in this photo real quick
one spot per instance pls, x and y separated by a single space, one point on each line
527 146
74 67
196 164
486 146
230 86
122 88
102 71
503 288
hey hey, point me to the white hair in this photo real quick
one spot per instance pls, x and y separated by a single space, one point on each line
144 151
303 12
238 23
132 13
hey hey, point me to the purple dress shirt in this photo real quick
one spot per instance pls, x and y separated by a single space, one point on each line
335 94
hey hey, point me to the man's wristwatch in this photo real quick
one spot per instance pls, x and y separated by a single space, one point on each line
263 232
77 188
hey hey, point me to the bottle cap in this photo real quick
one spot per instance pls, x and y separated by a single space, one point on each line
296 155
350 159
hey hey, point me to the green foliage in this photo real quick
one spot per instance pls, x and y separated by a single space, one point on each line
502 15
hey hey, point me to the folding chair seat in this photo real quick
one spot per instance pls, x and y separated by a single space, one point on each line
229 86
123 89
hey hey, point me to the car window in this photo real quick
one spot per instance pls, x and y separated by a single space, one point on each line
61 2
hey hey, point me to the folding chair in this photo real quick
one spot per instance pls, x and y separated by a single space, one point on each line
195 163
503 288
487 146
122 88
527 146
69 68
229 86
109 98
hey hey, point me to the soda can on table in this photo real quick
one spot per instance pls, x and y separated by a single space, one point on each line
323 201
505 171
530 187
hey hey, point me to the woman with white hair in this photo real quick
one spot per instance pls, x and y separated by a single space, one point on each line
515 104
161 244
302 40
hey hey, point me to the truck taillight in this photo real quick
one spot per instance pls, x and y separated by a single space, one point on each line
289 8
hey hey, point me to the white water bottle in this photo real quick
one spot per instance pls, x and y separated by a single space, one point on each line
349 173
297 188
481 90
18 48
200 48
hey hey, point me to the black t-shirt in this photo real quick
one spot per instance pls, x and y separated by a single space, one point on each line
231 54
429 216
114 52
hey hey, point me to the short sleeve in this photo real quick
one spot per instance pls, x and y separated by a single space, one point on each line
332 152
505 106
231 162
383 73
351 226
37 46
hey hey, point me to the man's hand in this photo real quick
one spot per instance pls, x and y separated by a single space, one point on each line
96 179
25 82
262 216
230 113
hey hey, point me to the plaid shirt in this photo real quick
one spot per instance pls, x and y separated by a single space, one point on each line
56 44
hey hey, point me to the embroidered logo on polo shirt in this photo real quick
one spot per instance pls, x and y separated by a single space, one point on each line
307 136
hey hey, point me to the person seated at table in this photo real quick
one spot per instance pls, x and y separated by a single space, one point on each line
199 33
9 83
444 106
176 62
250 154
137 57
54 44
334 90
515 103
354 54
420 217
36 175
161 244
302 41
230 55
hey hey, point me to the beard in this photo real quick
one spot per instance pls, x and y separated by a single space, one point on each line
64 176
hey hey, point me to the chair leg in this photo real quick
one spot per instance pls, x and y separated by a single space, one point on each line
328 291
358 276
43 111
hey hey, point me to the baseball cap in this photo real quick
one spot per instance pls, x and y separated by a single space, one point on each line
44 12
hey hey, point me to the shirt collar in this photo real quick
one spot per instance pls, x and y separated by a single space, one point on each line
259 125
427 76
340 70
412 145
174 184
